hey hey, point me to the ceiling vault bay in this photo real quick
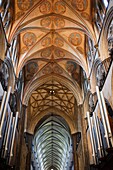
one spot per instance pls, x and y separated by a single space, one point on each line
52 41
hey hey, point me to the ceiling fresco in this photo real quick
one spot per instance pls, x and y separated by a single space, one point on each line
52 41
52 30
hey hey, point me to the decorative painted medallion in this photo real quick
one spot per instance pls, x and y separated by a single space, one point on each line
58 42
59 8
85 15
70 66
57 70
24 49
80 5
73 69
59 53
32 67
47 70
80 49
46 53
75 39
52 69
46 42
29 39
59 22
45 22
45 7
24 4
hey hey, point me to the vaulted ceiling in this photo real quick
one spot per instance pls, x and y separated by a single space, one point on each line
52 41
53 33
53 143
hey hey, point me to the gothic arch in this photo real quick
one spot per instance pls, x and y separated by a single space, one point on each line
35 120
73 87
93 78
11 80
103 41
98 74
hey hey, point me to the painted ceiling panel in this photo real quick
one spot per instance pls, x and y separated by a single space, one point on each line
52 23
52 40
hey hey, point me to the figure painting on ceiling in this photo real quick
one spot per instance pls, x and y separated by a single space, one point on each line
73 69
75 39
46 53
30 69
80 5
29 39
59 53
45 7
46 42
59 42
59 8
24 4
59 22
45 22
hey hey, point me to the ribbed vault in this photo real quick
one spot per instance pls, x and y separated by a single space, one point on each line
52 31
51 96
52 145
51 36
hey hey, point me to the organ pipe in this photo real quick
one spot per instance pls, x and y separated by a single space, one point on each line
106 118
102 115
4 111
8 133
2 104
14 132
99 140
91 137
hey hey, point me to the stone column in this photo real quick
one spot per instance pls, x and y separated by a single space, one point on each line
82 112
29 138
21 142
75 157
